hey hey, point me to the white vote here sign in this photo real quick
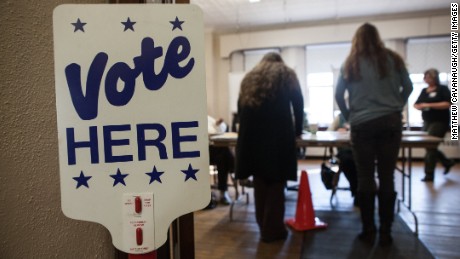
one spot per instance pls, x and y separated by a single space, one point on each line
132 119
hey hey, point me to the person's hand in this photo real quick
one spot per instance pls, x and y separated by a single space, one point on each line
421 106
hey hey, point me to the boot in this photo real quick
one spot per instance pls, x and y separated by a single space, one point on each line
447 165
429 177
386 215
366 202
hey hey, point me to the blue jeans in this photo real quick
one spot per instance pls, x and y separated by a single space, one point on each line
376 143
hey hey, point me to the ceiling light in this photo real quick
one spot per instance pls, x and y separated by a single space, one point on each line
254 1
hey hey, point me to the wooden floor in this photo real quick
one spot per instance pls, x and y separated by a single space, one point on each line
436 205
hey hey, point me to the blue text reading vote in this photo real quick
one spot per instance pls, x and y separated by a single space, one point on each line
86 105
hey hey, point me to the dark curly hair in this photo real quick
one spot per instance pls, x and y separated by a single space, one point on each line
264 81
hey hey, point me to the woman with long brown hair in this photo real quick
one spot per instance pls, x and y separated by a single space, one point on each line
270 97
378 87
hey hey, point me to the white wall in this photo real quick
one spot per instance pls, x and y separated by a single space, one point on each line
340 32
394 32
228 67
32 224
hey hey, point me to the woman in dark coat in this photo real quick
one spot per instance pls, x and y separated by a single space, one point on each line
270 109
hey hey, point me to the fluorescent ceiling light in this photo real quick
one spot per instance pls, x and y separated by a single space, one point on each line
254 1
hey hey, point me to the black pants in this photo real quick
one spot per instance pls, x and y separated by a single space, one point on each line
270 207
437 129
376 143
348 167
223 159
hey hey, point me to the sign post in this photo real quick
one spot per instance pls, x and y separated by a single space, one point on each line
132 119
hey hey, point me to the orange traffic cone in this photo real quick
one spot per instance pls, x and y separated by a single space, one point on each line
305 215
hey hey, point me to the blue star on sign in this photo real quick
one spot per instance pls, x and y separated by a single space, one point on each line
82 180
119 178
79 25
155 175
128 24
177 24
190 173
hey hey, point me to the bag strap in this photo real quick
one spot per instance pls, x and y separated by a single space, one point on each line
331 153
325 155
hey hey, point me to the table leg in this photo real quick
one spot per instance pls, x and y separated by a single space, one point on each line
407 174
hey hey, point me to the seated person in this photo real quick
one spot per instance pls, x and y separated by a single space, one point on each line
301 151
345 156
222 158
